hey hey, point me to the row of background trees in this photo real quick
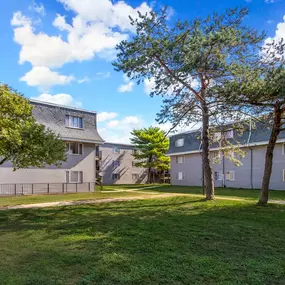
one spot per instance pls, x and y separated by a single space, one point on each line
213 70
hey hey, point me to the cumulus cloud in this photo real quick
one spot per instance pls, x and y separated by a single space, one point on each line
126 87
105 116
96 28
119 130
61 99
44 78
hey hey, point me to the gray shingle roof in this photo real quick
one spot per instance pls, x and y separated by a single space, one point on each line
192 141
53 117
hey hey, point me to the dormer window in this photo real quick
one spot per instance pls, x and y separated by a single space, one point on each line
229 134
74 122
179 142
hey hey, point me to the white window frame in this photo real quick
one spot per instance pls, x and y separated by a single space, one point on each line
182 176
180 159
179 142
137 176
229 134
218 175
116 150
78 148
117 178
217 136
70 123
80 176
231 176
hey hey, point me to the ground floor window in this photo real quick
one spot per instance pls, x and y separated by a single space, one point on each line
230 175
74 176
218 175
115 176
283 174
135 176
181 176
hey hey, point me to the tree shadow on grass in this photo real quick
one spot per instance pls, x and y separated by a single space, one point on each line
174 241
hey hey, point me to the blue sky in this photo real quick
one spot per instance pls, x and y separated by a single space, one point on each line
61 51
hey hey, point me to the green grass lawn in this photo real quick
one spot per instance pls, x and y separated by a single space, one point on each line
175 241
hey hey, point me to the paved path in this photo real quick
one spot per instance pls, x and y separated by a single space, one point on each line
149 195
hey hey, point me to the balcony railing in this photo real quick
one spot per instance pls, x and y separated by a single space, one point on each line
45 188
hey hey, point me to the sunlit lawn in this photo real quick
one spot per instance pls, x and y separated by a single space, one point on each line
178 240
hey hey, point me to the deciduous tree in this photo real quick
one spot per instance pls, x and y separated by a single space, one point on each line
23 141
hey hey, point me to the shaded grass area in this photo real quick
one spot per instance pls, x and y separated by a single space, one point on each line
229 192
33 199
180 240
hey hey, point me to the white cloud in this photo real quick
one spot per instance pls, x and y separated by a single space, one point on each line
20 20
96 29
279 33
44 78
61 99
105 116
269 1
149 85
103 75
83 79
126 87
38 8
119 130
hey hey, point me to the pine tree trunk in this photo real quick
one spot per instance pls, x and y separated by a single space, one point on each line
208 177
263 199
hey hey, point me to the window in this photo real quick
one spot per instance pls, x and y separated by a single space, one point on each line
218 175
181 176
135 151
217 156
229 134
230 175
135 176
74 176
74 148
180 159
74 122
283 174
217 136
115 176
179 142
283 148
116 163
133 164
116 149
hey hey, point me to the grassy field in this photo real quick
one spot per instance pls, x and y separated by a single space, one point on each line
175 241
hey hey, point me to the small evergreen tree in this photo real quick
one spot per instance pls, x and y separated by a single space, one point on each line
151 146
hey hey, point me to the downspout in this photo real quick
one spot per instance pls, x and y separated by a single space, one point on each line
203 179
251 155
224 184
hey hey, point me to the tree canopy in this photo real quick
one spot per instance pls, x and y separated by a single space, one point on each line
151 146
184 61
23 141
